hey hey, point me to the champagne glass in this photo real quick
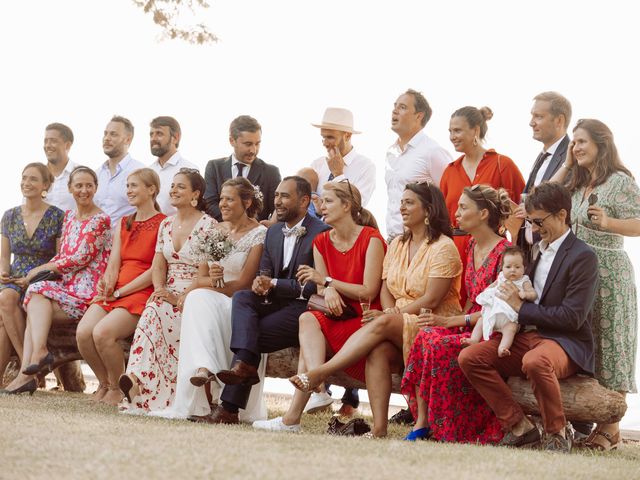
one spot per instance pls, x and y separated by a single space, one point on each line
263 274
365 303
302 285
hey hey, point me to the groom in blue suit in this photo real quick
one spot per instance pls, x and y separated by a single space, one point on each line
259 327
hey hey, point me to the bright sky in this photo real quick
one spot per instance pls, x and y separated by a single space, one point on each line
283 61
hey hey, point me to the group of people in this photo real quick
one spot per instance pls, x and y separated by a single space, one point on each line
481 275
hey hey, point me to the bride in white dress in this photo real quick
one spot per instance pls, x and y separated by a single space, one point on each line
206 315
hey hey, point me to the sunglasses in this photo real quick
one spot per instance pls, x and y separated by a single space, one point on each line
593 199
349 185
538 221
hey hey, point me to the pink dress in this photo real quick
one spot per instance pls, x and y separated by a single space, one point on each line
84 253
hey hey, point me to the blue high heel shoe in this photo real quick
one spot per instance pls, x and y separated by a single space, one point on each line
420 434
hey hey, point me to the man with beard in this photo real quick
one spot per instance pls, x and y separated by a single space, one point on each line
245 134
342 161
164 139
265 318
58 139
111 196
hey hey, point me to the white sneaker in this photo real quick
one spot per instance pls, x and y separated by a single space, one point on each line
276 425
317 402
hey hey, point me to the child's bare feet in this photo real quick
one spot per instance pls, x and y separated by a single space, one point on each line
503 352
465 342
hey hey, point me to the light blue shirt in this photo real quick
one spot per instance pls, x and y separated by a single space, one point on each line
112 190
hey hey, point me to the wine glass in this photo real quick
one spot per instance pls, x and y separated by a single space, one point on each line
263 274
365 302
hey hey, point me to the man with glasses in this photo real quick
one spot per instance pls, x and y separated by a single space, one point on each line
556 339
342 160
245 135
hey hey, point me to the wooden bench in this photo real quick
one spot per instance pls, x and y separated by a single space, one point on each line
584 399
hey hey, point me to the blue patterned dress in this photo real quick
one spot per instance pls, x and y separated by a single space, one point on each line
30 252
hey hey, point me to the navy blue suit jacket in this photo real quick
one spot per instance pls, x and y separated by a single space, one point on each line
273 253
563 313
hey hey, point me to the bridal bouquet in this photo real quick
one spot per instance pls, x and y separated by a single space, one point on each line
216 247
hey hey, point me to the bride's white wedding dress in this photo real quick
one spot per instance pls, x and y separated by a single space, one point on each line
205 339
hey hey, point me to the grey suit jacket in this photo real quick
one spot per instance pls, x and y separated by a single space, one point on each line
218 171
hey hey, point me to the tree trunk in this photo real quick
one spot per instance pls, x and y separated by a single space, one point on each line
583 399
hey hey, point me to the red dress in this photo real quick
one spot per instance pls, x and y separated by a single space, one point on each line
494 170
455 411
137 248
347 267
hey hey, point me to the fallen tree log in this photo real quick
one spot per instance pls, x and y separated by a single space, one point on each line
583 398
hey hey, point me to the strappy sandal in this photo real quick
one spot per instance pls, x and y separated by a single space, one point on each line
306 384
612 441
201 377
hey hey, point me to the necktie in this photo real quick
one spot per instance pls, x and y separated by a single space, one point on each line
536 167
240 167
331 176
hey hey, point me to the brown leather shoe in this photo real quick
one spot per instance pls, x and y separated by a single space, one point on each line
240 374
217 416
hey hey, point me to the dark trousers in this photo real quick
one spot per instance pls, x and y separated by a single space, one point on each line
541 360
350 396
257 329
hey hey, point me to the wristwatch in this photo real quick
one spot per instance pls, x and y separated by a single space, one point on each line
116 293
327 281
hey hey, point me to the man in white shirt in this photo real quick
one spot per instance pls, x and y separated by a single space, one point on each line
58 139
414 157
111 196
557 339
550 117
342 160
164 139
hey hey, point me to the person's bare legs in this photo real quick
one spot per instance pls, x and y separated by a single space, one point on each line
5 350
476 335
87 347
382 361
422 419
386 327
13 319
508 334
298 402
313 346
118 324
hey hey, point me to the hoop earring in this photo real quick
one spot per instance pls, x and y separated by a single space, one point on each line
194 203
43 194
426 221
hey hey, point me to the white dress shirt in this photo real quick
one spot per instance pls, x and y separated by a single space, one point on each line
547 255
543 168
289 246
360 171
112 189
421 160
234 167
58 194
166 173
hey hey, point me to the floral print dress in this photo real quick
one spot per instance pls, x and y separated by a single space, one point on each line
30 252
153 358
455 411
615 311
82 260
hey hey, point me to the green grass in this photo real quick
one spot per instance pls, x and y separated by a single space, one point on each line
64 435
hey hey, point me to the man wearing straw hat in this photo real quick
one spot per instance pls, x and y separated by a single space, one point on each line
342 160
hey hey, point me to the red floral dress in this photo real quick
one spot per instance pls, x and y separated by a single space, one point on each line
456 412
84 253
153 358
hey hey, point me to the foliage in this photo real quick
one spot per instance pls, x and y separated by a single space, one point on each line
169 16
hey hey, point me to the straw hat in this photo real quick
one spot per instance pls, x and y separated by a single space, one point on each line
337 119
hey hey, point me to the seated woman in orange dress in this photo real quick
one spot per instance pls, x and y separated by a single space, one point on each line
125 287
477 165
348 266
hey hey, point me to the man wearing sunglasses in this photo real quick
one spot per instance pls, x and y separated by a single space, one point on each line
556 339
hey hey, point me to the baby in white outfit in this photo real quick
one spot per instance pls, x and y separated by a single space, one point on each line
497 315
